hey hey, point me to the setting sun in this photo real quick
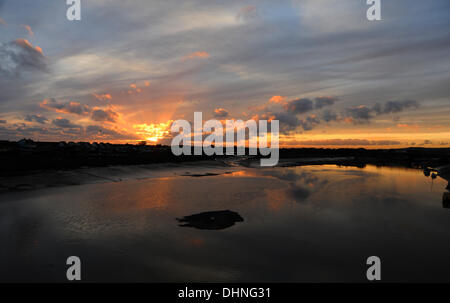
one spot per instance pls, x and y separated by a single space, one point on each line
154 131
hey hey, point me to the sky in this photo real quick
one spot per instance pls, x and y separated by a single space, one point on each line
128 69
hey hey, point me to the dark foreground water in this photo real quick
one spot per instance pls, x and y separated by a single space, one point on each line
312 223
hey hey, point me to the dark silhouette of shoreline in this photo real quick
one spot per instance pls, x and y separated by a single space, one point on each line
25 156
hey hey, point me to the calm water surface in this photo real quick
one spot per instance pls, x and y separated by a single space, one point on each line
302 224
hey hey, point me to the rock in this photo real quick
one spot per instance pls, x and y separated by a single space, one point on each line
211 220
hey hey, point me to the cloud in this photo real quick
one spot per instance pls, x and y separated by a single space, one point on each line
363 114
329 115
25 130
64 123
221 113
360 114
28 29
198 54
3 121
288 121
309 123
303 105
277 99
321 102
3 22
101 115
36 118
299 106
293 58
357 115
68 107
395 106
134 88
76 108
102 97
19 55
409 126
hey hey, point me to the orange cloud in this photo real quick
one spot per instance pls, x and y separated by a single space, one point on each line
277 99
135 88
67 108
221 113
194 55
349 120
26 44
102 97
415 126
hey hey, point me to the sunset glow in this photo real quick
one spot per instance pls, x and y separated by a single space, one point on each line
153 132
327 80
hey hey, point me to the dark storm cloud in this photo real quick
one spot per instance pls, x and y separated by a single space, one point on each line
363 114
304 105
288 121
70 107
321 102
3 121
36 118
329 116
27 130
299 106
101 115
66 107
309 122
64 123
19 55
360 114
395 106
